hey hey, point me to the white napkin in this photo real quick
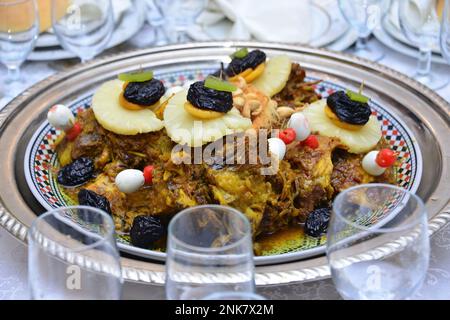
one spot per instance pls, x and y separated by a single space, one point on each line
120 7
264 20
419 12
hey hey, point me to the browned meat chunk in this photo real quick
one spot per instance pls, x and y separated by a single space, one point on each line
91 142
348 171
297 92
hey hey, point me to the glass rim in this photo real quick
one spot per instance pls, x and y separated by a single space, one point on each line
228 295
240 215
416 218
103 238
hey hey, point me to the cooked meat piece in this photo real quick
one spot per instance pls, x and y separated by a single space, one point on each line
243 189
348 171
87 145
140 150
297 92
241 186
312 170
91 141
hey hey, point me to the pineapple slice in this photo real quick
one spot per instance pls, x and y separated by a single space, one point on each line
359 141
113 117
275 75
183 128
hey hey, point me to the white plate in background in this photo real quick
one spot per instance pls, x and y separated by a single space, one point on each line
328 27
385 38
398 35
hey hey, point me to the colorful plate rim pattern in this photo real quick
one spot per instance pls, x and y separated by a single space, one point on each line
39 157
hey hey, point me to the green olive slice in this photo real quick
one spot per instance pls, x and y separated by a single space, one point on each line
241 53
357 97
136 77
215 83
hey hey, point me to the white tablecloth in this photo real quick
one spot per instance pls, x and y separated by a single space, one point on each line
13 255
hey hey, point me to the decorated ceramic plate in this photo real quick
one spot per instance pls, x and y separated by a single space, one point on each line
420 116
41 163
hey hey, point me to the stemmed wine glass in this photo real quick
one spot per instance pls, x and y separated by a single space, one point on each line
378 245
179 16
364 16
234 296
72 255
156 19
209 250
84 27
445 31
19 29
420 23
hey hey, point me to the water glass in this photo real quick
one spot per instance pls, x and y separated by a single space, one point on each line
209 250
378 245
72 255
364 16
445 31
420 23
234 296
156 19
86 26
180 15
19 29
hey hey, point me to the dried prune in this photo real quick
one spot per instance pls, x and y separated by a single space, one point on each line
145 231
221 73
317 222
145 93
251 60
78 172
347 110
209 99
91 199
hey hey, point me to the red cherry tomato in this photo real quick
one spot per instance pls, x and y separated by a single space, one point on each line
385 158
74 132
287 135
311 142
148 174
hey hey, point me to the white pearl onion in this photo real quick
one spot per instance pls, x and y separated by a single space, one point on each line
61 117
370 164
300 124
130 180
277 147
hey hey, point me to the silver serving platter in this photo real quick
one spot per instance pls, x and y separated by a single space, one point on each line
424 112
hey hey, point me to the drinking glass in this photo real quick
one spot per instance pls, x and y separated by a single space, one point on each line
72 255
445 31
209 250
420 23
156 19
234 296
84 27
179 16
378 246
19 29
364 16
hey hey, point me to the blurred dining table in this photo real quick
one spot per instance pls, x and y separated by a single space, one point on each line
13 254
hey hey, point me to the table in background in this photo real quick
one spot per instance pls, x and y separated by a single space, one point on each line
13 254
